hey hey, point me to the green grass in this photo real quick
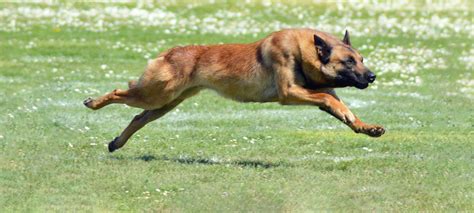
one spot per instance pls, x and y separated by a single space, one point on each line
212 154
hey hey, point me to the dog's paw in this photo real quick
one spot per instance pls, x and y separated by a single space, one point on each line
112 146
88 103
373 130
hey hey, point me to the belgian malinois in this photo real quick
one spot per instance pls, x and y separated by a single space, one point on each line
292 66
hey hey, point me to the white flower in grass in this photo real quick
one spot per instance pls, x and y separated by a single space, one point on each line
367 149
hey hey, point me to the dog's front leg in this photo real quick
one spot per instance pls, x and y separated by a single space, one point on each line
356 124
326 99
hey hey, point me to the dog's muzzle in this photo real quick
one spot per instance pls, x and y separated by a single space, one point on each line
370 76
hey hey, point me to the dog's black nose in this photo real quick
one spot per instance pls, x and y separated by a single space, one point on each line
371 77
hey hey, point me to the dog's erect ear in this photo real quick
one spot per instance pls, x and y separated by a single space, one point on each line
323 49
346 39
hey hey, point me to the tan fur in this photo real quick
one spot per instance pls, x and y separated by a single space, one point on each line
263 71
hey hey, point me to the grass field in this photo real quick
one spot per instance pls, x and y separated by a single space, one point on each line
215 155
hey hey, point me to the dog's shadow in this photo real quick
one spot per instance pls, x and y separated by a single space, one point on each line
210 161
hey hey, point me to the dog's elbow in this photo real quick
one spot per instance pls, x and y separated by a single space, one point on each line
288 98
289 95
284 97
284 101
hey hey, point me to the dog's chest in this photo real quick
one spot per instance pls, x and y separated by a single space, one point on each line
257 89
261 91
270 93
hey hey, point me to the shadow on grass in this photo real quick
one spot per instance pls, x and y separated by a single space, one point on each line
324 163
211 161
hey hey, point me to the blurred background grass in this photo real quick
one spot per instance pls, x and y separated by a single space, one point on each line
212 154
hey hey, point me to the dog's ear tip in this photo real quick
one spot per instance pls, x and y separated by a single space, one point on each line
318 40
346 38
346 34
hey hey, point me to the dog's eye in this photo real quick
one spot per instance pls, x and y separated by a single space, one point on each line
362 60
350 61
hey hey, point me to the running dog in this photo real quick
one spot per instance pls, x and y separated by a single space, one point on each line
291 67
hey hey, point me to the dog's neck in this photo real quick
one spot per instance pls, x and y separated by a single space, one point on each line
316 82
308 67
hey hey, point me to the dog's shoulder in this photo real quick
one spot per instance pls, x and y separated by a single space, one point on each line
305 35
286 44
183 52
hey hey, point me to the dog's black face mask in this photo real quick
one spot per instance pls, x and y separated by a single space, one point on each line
342 65
348 78
349 75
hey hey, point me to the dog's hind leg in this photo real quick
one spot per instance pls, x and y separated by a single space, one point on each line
116 96
147 116
130 97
